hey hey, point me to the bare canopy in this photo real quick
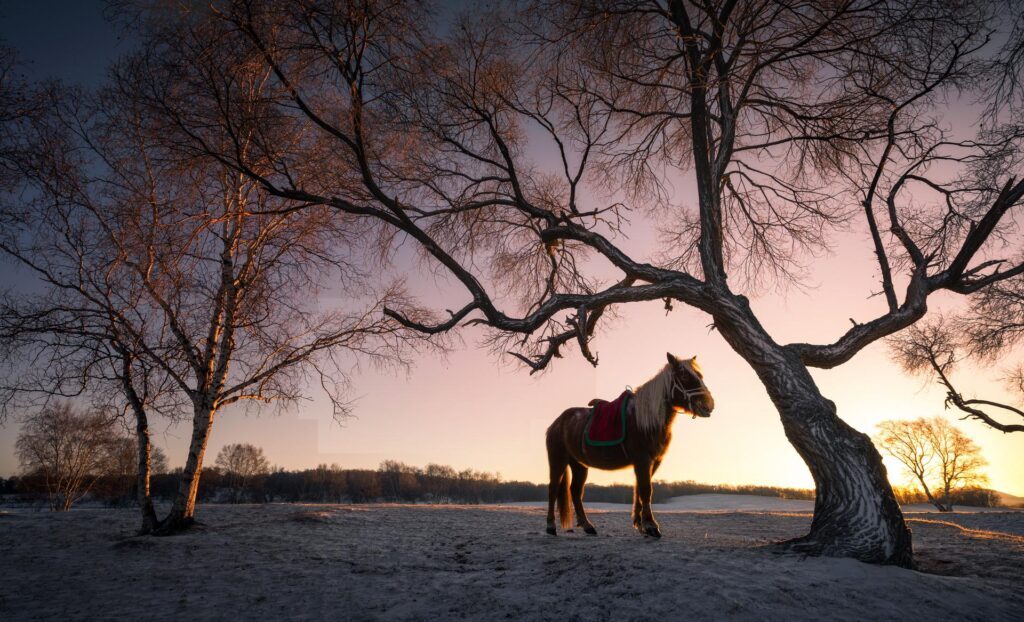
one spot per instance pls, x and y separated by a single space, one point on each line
937 346
170 280
939 457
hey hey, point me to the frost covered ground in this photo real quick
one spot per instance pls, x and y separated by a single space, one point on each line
394 562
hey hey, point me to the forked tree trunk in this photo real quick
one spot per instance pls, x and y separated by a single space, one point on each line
855 511
931 498
182 514
144 497
947 502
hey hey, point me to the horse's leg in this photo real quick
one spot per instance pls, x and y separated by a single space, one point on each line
643 492
579 480
557 486
636 510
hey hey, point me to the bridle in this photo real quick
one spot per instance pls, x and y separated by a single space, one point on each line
687 393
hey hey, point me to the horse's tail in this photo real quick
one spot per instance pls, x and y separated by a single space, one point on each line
563 501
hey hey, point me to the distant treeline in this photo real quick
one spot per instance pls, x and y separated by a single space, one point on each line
976 497
398 482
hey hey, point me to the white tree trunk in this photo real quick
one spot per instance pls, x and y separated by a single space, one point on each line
182 513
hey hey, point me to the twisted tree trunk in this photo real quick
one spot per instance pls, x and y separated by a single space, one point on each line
855 511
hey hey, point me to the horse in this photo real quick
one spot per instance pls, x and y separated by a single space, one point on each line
678 388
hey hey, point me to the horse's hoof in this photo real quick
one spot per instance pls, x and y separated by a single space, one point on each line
551 531
589 529
652 531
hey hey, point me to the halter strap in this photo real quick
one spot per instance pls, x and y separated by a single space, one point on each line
689 394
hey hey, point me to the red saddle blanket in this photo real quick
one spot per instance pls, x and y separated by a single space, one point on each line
607 422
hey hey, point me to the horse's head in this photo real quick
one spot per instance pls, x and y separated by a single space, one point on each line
689 393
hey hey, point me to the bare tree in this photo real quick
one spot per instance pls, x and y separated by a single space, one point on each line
67 338
69 450
124 466
934 451
938 346
243 463
791 119
179 278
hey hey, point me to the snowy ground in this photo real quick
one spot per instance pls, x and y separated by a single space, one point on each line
393 562
749 503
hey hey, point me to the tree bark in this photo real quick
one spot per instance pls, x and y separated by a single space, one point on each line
145 449
855 511
144 497
182 514
931 498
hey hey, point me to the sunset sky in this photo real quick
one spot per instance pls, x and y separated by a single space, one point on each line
474 410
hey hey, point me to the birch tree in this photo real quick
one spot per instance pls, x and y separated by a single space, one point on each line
181 270
64 340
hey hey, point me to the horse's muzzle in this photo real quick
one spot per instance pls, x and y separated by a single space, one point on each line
702 411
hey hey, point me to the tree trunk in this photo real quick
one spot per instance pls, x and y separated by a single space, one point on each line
182 515
855 511
931 498
144 497
947 505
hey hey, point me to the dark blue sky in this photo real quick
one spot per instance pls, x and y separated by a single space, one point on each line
63 39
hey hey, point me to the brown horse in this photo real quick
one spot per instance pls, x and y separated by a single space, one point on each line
678 387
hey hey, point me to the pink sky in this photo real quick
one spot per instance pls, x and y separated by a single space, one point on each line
470 411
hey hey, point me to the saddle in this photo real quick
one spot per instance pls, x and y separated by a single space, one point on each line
606 425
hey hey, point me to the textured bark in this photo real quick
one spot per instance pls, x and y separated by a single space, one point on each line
855 511
182 514
145 448
145 500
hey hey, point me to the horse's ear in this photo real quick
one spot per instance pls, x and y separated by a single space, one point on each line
673 361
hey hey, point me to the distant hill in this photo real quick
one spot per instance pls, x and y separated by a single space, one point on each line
1010 501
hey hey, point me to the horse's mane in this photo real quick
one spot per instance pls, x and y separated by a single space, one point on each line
651 398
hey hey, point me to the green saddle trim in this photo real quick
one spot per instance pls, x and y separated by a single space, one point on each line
590 420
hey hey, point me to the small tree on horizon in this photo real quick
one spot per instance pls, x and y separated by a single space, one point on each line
938 457
243 464
67 449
